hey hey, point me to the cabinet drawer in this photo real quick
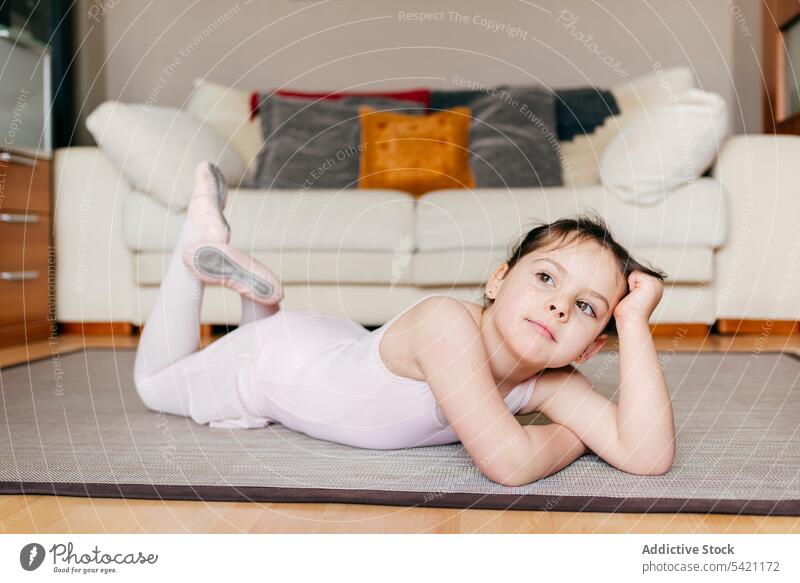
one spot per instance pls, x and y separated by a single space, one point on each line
24 183
23 245
24 270
25 300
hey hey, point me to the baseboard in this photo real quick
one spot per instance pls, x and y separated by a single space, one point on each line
115 329
726 326
682 330
97 328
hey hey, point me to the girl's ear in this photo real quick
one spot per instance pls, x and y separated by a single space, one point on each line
494 280
594 347
501 270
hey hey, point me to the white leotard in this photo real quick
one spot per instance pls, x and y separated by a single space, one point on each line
322 375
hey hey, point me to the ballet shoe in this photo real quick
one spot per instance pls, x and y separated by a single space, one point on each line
207 202
218 263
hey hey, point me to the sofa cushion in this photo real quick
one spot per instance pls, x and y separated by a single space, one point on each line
382 220
582 109
513 138
581 156
693 215
227 110
578 110
474 266
665 146
314 144
414 153
158 148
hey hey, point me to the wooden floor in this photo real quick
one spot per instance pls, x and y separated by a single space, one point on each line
65 514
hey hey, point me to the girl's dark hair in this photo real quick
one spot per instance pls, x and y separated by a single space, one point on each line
585 227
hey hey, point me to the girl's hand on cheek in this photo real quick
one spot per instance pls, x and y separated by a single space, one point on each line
638 305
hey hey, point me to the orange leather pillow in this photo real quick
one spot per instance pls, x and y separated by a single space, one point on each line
415 153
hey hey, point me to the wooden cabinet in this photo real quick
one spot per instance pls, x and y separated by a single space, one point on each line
781 64
27 260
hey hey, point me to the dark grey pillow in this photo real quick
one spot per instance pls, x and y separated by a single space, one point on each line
315 143
514 139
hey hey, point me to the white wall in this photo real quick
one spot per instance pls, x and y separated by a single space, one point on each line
748 79
153 50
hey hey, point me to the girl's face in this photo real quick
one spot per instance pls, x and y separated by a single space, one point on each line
570 291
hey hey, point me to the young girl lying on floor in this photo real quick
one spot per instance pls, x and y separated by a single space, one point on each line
441 371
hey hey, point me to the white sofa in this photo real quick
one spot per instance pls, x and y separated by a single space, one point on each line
728 242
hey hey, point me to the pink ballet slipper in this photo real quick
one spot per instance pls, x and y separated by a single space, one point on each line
219 263
207 203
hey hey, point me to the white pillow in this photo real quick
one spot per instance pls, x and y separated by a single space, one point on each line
665 147
158 148
581 155
227 110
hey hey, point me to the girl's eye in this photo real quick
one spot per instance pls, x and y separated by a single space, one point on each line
547 275
589 306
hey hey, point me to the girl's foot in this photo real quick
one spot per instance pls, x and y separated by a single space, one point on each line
219 263
207 202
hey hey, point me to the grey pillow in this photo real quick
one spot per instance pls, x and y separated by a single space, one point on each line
514 139
315 143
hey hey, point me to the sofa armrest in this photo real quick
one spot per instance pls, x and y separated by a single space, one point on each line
758 268
94 273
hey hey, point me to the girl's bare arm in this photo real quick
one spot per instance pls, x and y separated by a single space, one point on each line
556 445
453 358
644 414
645 424
568 398
638 434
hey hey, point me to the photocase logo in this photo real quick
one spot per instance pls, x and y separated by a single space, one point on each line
31 556
66 560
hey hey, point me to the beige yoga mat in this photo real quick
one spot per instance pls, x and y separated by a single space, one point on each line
74 425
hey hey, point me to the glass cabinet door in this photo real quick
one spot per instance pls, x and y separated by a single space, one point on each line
781 66
791 71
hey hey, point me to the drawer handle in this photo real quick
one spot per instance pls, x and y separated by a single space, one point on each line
18 218
18 275
17 159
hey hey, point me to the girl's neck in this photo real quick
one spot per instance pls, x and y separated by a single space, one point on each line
508 369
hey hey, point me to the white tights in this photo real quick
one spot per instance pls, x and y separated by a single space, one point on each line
169 342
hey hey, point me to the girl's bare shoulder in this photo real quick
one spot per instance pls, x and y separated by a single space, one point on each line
398 348
432 311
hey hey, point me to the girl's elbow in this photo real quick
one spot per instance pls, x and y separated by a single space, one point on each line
658 470
514 480
659 467
667 459
665 466
512 472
